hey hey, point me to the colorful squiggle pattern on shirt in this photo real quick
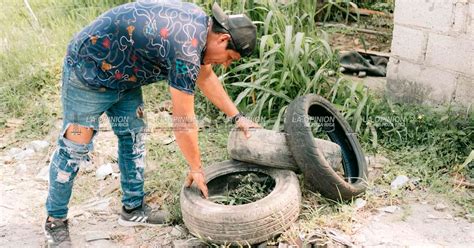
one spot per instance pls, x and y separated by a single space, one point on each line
140 43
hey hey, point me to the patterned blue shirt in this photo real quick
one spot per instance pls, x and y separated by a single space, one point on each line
140 43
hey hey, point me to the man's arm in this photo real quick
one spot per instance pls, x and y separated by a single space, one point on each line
186 132
212 88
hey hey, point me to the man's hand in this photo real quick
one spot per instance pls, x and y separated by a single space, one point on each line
198 177
245 124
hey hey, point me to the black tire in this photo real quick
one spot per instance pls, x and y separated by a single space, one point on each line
270 148
242 224
318 175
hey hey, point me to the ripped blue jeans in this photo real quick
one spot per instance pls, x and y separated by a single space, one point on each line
84 105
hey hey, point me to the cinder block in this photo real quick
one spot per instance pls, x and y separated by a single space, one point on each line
464 91
470 23
453 53
413 83
460 18
441 84
401 82
435 15
408 43
398 69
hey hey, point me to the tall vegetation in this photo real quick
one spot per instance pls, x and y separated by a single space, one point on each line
293 58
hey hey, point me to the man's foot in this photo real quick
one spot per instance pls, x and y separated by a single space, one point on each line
143 216
57 233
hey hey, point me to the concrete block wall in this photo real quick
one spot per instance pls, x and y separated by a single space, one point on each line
432 52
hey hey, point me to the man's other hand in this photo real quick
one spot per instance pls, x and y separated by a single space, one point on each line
244 124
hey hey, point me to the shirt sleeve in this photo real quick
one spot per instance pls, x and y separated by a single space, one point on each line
183 76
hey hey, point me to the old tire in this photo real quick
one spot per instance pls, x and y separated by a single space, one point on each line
318 174
242 224
270 148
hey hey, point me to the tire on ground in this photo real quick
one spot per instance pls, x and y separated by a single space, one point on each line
270 148
318 175
242 224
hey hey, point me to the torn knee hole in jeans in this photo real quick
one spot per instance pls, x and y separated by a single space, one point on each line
139 151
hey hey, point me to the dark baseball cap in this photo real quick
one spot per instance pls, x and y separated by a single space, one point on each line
241 29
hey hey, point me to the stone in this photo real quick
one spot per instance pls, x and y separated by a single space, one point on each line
399 182
440 207
389 209
24 154
93 236
103 171
43 174
38 145
13 151
177 231
360 203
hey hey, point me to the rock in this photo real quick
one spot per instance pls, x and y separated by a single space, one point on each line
93 236
399 182
43 174
340 237
360 203
103 171
389 209
23 154
13 151
177 231
38 145
377 161
440 207
189 243
362 74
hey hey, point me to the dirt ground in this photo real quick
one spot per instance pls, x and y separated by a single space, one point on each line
96 204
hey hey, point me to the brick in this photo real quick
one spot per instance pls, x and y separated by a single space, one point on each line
464 91
402 70
408 43
435 15
441 84
460 18
413 83
453 53
470 23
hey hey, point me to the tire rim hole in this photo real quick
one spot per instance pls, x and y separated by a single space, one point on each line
325 126
240 188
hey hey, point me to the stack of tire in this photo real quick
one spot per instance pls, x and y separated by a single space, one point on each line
280 155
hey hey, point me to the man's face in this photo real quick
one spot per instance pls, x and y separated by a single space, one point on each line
217 52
